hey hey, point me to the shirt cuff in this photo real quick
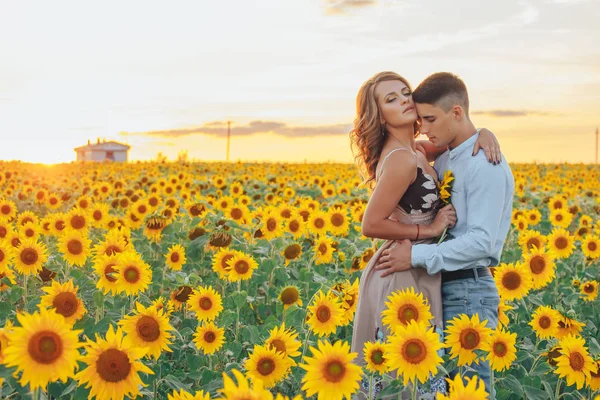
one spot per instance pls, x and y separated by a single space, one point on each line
419 254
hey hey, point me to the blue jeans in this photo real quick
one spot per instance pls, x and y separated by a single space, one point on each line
473 296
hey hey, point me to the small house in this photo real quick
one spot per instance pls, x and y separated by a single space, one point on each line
102 151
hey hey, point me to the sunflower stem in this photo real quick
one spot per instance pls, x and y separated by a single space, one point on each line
305 344
414 391
557 392
492 383
370 395
25 293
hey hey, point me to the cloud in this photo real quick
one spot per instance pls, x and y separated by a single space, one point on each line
219 128
336 7
511 113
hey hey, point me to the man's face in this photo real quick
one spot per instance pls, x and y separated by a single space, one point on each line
436 124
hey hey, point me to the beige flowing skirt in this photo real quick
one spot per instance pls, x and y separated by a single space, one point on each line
374 290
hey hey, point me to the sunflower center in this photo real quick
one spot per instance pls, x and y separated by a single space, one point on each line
292 251
45 347
561 243
337 219
97 215
377 357
278 344
29 232
132 274
469 339
289 296
304 214
110 250
592 246
175 257
113 365
407 313
241 267
109 271
286 213
294 226
533 242
142 209
236 213
559 217
323 248
75 247
576 361
319 223
545 322
1 255
265 366
367 256
323 314
148 328
78 222
183 294
414 351
209 337
500 349
588 288
6 209
334 371
65 304
511 280
205 303
3 232
537 265
225 260
29 256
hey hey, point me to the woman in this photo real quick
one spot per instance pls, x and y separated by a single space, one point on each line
404 203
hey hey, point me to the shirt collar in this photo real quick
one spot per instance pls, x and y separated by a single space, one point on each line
461 148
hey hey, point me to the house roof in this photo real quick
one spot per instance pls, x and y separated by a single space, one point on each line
110 145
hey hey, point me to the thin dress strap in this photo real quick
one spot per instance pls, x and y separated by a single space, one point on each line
389 154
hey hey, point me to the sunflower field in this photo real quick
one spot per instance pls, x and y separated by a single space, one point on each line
240 281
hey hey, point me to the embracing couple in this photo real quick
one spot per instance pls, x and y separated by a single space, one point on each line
405 206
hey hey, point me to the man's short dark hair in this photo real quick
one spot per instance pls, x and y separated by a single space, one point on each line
443 90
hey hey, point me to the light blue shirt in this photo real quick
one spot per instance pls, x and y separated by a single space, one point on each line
482 196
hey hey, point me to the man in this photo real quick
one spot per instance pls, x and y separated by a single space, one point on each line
482 195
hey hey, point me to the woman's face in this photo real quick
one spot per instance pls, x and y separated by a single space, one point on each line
395 103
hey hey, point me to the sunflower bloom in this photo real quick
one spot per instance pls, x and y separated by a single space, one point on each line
375 357
404 306
209 337
330 372
545 322
175 258
501 349
474 390
574 364
242 390
29 257
64 300
113 367
466 335
148 328
589 290
267 365
74 246
289 296
413 351
325 314
44 349
542 267
561 242
133 274
513 281
590 246
206 303
284 341
241 267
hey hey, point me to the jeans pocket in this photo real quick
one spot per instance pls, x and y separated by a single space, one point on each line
489 310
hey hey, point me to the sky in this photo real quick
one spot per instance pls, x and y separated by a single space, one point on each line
166 76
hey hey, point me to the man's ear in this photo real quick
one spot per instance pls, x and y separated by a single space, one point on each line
457 112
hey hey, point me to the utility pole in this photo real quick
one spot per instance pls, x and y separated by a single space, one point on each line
596 145
229 138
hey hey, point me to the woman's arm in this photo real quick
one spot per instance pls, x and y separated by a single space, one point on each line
429 149
486 141
399 172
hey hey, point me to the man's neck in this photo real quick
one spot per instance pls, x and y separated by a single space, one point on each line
464 133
